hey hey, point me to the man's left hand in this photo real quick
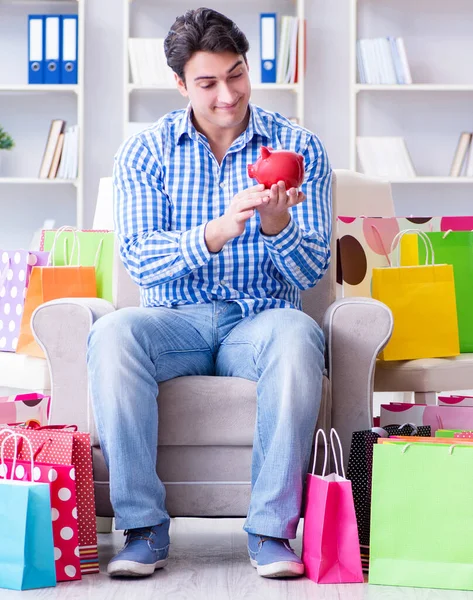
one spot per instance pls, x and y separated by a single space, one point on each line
274 213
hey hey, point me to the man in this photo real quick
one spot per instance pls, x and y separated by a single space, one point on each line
220 263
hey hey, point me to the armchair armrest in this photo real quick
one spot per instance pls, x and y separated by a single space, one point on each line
356 330
61 328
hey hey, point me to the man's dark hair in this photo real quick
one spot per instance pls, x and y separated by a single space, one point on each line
202 30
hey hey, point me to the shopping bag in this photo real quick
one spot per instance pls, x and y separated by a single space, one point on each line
422 515
455 400
67 447
330 548
437 417
363 244
62 485
93 248
22 408
15 270
456 248
50 283
26 537
422 300
359 471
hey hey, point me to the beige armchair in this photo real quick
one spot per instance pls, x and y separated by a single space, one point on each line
425 377
206 423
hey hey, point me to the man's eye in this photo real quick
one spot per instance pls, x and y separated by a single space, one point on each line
206 87
236 76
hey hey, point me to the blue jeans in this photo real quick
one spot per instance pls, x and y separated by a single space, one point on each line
132 350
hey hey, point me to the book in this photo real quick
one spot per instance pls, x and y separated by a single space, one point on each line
57 157
460 155
385 157
56 128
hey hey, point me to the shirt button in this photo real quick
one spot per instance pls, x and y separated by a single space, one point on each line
223 282
222 185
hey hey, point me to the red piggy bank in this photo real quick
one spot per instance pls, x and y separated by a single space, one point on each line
278 165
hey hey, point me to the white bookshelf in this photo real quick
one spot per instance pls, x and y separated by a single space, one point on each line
26 112
153 18
431 112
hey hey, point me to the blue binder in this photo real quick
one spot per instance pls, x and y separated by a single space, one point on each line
268 47
35 49
69 49
52 49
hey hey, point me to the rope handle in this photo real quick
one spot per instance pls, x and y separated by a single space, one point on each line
3 467
4 273
320 431
51 260
342 468
425 239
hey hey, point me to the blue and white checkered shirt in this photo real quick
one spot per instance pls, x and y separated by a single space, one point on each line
168 185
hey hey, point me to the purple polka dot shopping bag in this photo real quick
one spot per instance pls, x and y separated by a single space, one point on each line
15 270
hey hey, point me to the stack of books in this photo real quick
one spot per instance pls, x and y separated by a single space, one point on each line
148 62
462 164
385 157
383 61
61 157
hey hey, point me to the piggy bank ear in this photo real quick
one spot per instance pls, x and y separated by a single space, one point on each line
265 152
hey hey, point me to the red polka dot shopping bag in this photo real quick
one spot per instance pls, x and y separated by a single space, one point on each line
61 445
62 485
15 271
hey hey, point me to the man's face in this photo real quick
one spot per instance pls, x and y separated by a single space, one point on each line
218 87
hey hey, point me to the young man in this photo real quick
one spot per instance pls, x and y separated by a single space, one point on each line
220 263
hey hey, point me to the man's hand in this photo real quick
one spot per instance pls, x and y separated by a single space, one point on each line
274 214
232 223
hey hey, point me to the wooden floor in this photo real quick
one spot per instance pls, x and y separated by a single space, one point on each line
208 561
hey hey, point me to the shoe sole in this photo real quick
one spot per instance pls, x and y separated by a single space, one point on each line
129 568
279 569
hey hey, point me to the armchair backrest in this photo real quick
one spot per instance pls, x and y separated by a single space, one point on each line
353 194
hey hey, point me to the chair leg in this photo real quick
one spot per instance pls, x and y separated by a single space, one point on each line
104 524
425 398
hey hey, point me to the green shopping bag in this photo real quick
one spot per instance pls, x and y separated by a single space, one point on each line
456 248
422 516
92 248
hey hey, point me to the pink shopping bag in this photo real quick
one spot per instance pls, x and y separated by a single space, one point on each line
330 546
24 408
62 485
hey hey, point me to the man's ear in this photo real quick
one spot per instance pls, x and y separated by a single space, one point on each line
181 86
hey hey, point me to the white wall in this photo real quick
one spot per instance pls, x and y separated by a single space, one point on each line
327 111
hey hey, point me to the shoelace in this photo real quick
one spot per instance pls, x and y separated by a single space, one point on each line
263 539
142 533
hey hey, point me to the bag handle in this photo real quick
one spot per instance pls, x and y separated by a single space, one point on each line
98 254
320 431
15 436
51 261
342 468
425 239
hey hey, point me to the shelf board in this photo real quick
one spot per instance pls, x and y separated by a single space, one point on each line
433 179
293 87
414 87
38 88
36 180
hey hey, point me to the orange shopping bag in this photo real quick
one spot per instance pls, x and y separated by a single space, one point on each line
50 283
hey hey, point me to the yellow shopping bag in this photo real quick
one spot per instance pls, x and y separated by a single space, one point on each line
422 300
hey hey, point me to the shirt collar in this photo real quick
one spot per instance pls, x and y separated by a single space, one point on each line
256 125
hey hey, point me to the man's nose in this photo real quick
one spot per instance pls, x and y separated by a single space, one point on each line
225 94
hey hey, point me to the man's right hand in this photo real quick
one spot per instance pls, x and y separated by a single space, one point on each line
232 223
